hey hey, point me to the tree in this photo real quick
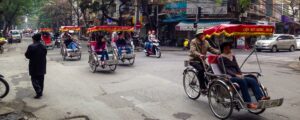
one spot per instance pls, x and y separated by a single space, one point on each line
294 4
241 7
55 13
12 9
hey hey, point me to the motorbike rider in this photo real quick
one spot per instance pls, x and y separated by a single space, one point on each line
151 38
198 50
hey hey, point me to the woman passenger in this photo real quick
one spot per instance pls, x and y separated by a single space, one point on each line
101 49
233 70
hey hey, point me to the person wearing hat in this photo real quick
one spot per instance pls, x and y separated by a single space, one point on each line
36 53
229 65
198 50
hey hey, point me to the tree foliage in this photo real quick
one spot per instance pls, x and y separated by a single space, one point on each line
13 9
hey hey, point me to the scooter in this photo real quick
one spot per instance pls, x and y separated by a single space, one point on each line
155 49
4 87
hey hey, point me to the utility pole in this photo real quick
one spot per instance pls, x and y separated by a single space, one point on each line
136 14
198 15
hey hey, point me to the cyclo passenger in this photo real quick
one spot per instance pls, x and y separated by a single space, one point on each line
232 69
122 44
70 42
198 50
46 37
101 49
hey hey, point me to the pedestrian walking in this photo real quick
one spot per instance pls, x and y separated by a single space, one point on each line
36 53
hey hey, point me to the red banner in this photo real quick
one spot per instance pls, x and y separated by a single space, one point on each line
239 30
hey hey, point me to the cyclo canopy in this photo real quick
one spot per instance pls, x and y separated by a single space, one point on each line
45 30
238 30
111 29
67 28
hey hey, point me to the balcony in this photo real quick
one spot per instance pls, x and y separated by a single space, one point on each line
259 10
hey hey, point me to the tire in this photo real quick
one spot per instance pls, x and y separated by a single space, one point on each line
292 48
157 53
79 57
1 49
259 111
64 57
4 88
274 49
147 54
220 94
93 65
131 61
191 84
112 67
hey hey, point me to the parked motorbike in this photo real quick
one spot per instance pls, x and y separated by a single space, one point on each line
155 50
4 87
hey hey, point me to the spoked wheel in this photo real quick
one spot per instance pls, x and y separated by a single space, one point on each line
1 50
191 84
259 111
79 57
64 57
93 64
131 61
113 67
4 88
220 100
147 54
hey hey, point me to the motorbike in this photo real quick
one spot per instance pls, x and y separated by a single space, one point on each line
155 49
4 87
57 42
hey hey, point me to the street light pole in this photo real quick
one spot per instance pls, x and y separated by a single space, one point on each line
157 21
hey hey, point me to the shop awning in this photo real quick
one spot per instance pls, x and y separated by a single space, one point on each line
189 26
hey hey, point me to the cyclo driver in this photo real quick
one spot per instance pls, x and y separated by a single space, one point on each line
198 50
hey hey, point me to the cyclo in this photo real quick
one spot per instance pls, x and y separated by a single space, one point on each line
224 95
46 38
95 59
73 31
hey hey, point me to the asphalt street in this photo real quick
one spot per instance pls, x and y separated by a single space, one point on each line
151 89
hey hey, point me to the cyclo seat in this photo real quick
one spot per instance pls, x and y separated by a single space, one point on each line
213 62
93 47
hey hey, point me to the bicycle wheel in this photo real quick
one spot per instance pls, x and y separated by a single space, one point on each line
112 67
259 111
131 61
93 63
4 88
220 100
191 84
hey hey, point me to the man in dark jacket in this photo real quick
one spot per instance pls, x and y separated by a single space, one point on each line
36 53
